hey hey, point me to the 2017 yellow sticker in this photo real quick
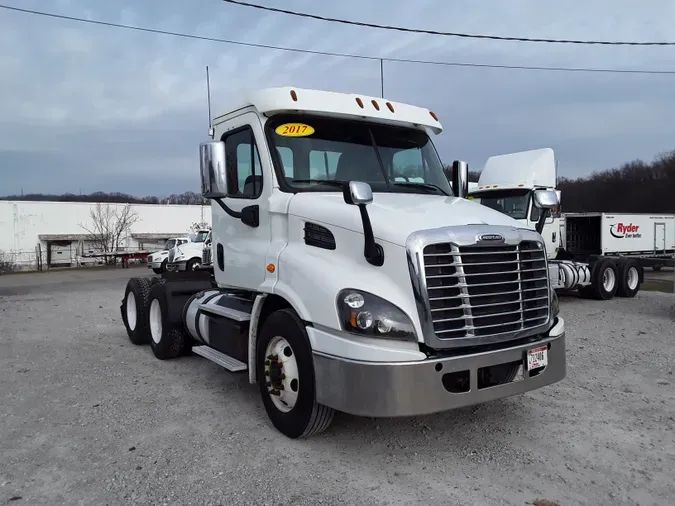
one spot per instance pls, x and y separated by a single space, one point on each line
294 130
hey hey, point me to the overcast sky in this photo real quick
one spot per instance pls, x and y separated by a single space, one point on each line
88 108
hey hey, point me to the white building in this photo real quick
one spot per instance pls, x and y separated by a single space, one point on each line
48 234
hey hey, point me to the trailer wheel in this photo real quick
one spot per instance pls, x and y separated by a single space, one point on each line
166 339
629 278
604 275
285 373
134 310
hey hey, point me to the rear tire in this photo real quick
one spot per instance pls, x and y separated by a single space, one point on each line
629 278
604 281
157 270
134 309
167 340
284 365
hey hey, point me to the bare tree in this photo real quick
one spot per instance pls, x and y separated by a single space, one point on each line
108 224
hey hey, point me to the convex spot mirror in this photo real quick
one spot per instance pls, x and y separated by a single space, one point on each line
546 199
358 193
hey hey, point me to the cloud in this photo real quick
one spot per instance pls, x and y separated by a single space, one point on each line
99 108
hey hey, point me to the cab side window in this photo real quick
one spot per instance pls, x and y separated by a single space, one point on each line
244 170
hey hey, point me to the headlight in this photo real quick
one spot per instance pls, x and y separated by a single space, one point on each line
369 315
555 304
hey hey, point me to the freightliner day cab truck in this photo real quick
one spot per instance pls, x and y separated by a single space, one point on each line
598 254
339 283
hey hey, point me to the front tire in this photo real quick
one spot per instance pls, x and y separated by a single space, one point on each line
193 264
285 372
134 310
167 340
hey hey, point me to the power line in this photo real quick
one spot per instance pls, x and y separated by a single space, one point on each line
447 34
334 54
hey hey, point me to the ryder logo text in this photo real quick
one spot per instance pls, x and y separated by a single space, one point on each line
625 231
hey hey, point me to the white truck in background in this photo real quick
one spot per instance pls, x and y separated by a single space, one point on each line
340 281
187 256
598 254
158 260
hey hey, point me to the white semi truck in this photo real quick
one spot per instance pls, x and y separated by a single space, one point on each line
339 283
598 254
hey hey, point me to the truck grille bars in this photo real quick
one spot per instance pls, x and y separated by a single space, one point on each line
477 294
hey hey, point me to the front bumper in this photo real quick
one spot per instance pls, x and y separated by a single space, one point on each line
390 389
179 266
154 265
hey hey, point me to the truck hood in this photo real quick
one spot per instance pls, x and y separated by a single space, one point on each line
394 216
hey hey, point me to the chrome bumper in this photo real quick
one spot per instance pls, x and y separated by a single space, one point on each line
416 388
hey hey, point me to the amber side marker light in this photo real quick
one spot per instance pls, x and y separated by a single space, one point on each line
433 115
270 268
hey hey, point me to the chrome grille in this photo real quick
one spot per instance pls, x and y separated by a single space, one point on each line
484 291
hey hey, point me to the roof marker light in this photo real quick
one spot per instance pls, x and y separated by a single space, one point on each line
360 102
391 107
433 115
375 105
294 96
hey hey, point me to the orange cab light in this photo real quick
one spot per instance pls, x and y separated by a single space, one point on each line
270 268
433 115
375 105
521 185
391 107
294 96
360 102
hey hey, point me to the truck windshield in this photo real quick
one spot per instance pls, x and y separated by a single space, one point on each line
513 203
200 236
312 153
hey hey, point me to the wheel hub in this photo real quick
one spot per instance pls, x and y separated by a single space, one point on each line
281 374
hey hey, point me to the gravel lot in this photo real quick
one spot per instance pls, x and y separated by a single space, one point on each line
88 418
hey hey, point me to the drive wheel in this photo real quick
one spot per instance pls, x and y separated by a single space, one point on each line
166 340
285 372
604 285
134 309
629 278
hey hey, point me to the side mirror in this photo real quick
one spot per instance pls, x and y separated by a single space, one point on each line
460 179
212 168
546 199
358 193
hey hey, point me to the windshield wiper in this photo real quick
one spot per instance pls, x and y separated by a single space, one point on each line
328 182
426 186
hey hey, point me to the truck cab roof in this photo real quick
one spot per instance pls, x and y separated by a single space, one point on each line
270 101
536 168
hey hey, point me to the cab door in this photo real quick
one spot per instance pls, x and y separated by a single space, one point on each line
240 249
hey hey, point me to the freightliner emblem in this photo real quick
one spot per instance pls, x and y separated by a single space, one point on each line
490 237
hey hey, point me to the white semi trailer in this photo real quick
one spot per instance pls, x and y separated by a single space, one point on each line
345 274
598 254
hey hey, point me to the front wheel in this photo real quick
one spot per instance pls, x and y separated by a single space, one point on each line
285 371
193 264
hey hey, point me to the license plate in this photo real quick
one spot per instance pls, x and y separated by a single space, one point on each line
537 357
